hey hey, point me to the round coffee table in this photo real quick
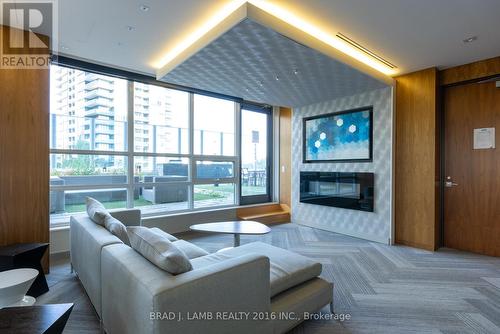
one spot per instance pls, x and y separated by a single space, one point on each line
236 228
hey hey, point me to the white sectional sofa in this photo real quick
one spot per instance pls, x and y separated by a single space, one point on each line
254 288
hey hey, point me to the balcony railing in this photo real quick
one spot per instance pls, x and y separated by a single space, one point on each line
99 102
98 92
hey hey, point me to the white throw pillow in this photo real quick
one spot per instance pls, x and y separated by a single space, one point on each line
170 237
159 250
117 228
96 211
191 250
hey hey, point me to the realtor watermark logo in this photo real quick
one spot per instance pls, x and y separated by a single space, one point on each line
29 33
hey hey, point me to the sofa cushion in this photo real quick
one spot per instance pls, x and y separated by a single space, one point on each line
288 269
117 228
159 250
96 211
164 234
192 251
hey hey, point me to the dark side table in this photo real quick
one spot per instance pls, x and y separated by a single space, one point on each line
26 256
41 319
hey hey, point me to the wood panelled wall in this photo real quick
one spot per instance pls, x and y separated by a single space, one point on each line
24 156
286 156
417 160
417 148
477 70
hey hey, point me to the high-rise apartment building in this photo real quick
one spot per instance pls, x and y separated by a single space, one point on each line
89 112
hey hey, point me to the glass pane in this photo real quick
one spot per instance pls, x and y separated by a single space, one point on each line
213 126
85 169
214 169
88 111
253 153
160 169
64 202
206 195
161 198
161 120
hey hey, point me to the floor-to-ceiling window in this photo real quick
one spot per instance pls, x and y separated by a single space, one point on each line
256 154
88 140
130 144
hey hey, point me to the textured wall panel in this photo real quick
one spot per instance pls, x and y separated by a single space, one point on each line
245 61
374 226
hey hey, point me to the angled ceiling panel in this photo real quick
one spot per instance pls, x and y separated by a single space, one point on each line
258 64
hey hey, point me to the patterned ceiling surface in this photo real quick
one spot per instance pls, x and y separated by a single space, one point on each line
248 59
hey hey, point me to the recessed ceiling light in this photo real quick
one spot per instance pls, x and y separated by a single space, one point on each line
144 8
277 78
261 83
295 71
130 28
470 39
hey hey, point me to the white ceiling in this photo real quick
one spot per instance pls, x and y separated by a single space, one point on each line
246 60
413 34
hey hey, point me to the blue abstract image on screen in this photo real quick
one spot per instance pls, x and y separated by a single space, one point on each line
343 136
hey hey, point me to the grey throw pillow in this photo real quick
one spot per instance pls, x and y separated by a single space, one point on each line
159 250
170 237
192 251
117 228
96 211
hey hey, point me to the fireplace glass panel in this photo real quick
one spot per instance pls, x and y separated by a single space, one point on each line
344 190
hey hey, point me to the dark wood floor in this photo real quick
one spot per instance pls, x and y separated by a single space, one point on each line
384 289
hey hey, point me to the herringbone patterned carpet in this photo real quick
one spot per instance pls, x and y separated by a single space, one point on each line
384 289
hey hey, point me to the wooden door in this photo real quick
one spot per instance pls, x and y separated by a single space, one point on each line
472 196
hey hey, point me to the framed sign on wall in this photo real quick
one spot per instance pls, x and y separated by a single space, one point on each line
345 136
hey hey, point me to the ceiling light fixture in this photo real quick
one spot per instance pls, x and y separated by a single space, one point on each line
261 83
314 31
130 28
469 39
295 71
216 20
365 50
277 78
278 18
144 8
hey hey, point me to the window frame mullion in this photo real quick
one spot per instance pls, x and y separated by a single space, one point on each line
130 144
191 153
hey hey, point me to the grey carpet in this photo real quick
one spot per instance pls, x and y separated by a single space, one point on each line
385 289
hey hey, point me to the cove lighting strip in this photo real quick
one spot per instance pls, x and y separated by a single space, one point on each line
277 18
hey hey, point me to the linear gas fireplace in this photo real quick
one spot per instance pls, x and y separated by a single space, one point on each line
343 190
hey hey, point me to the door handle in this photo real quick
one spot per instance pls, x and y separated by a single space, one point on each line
449 183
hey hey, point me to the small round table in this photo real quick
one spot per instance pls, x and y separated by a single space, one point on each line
237 228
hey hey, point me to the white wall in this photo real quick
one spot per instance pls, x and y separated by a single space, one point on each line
377 225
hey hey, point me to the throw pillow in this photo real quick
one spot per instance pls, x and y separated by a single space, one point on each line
159 250
191 250
96 211
117 228
170 237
